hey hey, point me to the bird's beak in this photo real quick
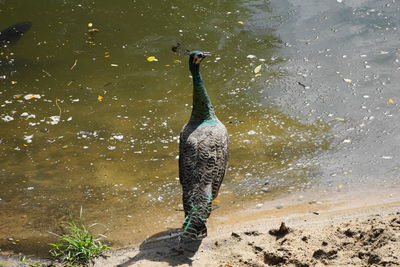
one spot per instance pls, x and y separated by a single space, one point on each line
198 60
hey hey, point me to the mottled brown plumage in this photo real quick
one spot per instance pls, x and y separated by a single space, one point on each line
203 156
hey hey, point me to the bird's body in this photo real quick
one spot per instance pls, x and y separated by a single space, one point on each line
13 33
203 156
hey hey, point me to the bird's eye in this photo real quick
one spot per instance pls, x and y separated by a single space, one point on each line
200 55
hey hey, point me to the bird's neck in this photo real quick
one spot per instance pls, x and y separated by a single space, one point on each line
202 107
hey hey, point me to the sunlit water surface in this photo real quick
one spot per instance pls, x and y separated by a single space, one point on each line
87 121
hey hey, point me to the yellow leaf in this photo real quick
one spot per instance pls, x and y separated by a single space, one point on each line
99 98
65 146
13 82
390 101
257 69
347 80
177 61
90 24
152 58
257 75
106 56
240 22
339 119
216 200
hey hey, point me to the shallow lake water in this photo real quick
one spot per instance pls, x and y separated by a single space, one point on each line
88 121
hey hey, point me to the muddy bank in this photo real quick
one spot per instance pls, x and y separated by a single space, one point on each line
340 229
364 236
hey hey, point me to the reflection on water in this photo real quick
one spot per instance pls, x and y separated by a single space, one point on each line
87 121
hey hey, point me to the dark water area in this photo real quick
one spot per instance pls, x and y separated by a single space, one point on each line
92 101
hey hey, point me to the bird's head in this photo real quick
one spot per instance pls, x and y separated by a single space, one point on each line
197 56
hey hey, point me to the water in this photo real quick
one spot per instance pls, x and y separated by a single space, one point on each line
345 53
87 121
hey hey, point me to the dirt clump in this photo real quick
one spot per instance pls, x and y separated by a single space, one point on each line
373 241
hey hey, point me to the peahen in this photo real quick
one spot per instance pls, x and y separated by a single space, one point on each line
203 156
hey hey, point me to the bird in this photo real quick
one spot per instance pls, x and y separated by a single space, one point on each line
203 155
13 33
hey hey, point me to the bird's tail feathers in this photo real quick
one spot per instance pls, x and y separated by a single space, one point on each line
194 225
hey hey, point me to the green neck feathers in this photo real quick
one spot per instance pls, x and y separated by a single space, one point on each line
202 107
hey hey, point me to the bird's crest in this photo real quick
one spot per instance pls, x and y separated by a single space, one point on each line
195 56
180 50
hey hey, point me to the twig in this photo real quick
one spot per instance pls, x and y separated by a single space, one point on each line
73 66
58 107
48 74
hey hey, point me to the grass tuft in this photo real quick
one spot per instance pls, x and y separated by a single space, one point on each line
77 246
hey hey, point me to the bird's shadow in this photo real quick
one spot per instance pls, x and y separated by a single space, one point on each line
167 246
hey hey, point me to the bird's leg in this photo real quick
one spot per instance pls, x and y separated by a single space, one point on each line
214 207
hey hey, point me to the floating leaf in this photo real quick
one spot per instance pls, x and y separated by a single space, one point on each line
114 65
13 82
390 101
257 69
7 118
347 80
257 75
106 56
152 58
339 119
240 22
32 96
177 61
66 146
216 201
93 31
90 24
54 120
99 98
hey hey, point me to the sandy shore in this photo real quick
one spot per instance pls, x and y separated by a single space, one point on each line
353 229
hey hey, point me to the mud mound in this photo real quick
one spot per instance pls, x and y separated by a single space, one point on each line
374 241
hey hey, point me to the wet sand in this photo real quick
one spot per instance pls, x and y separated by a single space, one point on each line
340 229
